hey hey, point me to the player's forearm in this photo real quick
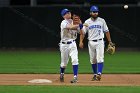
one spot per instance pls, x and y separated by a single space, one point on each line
72 27
81 36
108 36
81 45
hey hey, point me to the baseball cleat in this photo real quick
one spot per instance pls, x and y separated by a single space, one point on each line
98 77
75 80
61 77
94 78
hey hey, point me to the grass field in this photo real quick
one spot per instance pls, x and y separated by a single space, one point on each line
67 89
48 62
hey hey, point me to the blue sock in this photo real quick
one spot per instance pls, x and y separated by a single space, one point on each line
94 68
62 70
75 70
100 67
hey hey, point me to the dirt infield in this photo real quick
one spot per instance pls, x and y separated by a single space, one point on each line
84 79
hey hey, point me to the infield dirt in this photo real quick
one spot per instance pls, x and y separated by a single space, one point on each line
83 79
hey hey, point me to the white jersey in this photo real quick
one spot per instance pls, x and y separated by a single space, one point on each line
95 28
66 34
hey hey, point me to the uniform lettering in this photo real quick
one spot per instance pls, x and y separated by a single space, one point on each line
95 26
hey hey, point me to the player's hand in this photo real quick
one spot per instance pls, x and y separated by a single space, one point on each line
81 45
112 44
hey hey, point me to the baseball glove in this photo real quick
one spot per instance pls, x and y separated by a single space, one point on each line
111 48
76 19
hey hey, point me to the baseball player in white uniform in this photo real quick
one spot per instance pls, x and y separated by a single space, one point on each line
68 47
96 27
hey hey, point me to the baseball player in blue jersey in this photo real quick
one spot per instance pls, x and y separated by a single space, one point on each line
68 47
96 27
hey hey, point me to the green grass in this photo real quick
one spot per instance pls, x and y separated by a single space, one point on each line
123 62
67 89
49 62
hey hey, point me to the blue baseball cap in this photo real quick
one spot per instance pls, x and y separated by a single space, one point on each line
94 9
64 11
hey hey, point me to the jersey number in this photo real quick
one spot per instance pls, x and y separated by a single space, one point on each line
74 34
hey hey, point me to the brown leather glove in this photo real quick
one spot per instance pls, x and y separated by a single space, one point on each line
111 48
76 19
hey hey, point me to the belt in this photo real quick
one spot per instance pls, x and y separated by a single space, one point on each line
69 42
96 40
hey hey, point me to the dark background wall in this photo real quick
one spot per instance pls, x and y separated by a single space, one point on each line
39 27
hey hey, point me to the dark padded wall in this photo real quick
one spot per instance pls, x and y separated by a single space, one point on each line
39 26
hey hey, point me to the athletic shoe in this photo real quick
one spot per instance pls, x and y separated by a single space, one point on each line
75 80
61 77
94 78
98 77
